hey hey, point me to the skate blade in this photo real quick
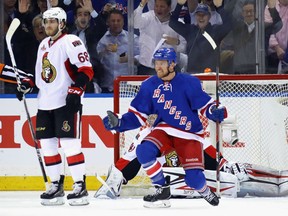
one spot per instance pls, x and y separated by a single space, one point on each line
53 202
157 204
78 201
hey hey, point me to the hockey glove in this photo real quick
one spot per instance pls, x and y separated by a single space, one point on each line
111 121
216 114
73 99
25 87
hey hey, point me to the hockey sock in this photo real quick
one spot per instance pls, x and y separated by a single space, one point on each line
195 178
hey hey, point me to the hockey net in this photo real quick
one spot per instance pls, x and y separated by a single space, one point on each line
258 102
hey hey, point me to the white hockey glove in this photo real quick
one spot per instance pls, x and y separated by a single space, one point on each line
237 169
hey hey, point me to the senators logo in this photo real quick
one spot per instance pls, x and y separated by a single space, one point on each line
66 127
48 73
172 159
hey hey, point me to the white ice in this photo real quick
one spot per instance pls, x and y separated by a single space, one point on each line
28 204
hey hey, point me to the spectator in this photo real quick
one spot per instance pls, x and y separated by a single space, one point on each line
153 26
90 32
112 49
70 6
42 6
23 38
215 16
244 38
200 52
184 15
278 41
122 5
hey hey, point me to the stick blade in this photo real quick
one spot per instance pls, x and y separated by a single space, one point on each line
12 28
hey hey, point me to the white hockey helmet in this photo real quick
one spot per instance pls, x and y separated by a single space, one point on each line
55 13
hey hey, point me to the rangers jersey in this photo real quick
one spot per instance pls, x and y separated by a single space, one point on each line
58 63
177 104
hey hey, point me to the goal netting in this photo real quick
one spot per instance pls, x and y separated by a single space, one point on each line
259 104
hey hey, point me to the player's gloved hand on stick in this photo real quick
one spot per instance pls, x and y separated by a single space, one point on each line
73 99
25 87
111 121
216 114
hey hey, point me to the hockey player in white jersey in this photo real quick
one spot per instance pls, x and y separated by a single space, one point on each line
177 99
62 71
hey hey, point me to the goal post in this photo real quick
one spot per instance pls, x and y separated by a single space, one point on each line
259 102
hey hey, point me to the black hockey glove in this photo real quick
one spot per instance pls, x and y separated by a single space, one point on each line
73 99
216 114
25 87
111 121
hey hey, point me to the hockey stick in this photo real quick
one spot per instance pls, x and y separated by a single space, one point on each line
214 46
105 185
12 28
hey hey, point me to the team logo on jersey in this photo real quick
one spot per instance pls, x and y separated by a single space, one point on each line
48 73
66 127
166 86
172 159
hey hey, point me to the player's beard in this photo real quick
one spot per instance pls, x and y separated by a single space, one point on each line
162 74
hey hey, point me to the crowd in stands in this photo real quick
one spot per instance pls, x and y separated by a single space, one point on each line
102 25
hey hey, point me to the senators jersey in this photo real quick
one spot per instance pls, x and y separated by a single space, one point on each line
58 63
177 104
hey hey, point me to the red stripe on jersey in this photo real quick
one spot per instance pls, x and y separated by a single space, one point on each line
153 169
52 160
121 164
203 111
87 71
69 69
138 114
76 159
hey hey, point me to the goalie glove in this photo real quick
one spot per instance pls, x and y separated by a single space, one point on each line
111 121
216 114
73 99
25 87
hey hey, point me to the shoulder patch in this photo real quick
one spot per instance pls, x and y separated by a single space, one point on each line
76 43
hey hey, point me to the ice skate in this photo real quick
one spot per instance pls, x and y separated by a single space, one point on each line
210 197
160 199
112 187
79 196
54 194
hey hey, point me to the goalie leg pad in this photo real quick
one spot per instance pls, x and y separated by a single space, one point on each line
229 185
113 183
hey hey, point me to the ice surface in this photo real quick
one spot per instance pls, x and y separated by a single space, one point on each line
28 204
